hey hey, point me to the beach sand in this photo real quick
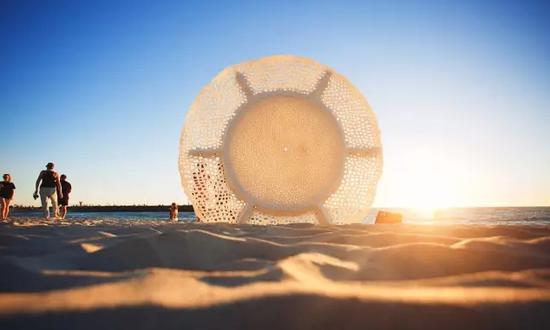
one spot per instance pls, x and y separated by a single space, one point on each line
94 274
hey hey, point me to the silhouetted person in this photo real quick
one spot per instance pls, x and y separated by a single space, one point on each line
174 212
63 199
7 190
48 180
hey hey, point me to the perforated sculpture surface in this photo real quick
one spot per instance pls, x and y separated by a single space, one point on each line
282 139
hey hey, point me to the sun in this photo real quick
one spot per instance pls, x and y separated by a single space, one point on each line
428 181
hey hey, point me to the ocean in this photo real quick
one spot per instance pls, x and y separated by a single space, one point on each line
449 216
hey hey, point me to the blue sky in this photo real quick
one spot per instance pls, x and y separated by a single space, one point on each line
101 88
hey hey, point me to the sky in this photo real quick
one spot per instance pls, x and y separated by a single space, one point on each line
461 90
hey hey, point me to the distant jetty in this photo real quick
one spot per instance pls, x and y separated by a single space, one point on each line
113 208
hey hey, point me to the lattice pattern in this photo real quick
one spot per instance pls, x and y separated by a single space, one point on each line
351 202
282 73
353 112
218 181
211 111
260 218
212 198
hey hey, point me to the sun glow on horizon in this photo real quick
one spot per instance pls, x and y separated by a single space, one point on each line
426 182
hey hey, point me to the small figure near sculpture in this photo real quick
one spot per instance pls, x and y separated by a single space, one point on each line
174 212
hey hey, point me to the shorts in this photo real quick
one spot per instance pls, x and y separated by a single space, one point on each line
63 201
6 196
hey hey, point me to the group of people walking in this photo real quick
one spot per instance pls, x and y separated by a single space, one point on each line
49 186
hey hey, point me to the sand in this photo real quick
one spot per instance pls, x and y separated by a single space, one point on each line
94 274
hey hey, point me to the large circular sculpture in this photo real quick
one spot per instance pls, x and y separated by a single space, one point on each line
282 139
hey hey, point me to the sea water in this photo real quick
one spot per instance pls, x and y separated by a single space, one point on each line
447 216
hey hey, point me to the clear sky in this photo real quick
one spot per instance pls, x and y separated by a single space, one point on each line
461 90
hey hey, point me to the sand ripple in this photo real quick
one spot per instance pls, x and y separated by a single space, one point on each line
146 275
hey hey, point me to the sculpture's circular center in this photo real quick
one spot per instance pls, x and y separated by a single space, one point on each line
284 152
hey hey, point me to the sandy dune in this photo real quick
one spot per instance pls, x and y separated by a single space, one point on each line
154 275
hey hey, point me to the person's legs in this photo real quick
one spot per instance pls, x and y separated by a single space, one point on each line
2 208
53 198
63 211
55 208
44 202
6 209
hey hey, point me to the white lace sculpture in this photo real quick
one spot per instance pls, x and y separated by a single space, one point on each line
282 139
